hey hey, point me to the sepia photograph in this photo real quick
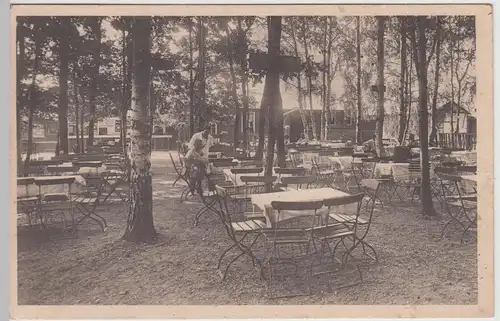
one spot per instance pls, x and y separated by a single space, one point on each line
250 158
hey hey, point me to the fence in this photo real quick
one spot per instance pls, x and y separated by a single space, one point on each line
466 141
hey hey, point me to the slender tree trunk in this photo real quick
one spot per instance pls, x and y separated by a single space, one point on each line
140 226
402 101
244 79
234 92
63 84
201 73
96 60
19 92
379 130
82 122
31 94
263 118
409 94
358 88
433 136
324 120
77 108
191 81
420 50
299 83
452 89
309 78
329 77
125 92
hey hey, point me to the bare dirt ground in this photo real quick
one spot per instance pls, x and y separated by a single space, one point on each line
415 266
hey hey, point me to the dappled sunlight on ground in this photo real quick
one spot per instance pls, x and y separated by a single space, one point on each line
97 267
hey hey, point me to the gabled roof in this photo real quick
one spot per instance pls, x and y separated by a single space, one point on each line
446 108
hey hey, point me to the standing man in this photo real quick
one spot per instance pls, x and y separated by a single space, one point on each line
207 140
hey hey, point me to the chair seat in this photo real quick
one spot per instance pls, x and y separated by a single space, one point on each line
247 226
345 218
55 197
331 231
467 204
27 199
254 215
84 200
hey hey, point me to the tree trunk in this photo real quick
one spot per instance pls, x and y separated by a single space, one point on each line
140 226
77 109
402 101
244 80
329 77
421 67
19 93
32 93
82 122
408 94
452 89
358 89
299 83
324 120
234 92
274 97
191 81
309 78
379 129
263 112
201 73
96 59
433 136
125 90
63 84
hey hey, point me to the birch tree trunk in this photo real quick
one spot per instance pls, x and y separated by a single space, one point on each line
201 73
379 129
19 94
140 226
244 80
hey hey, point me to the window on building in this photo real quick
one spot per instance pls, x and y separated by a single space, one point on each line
103 130
214 129
158 130
118 126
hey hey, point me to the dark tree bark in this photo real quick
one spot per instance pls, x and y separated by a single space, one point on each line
421 64
96 59
433 136
234 91
243 50
263 119
358 88
274 97
140 226
379 130
64 51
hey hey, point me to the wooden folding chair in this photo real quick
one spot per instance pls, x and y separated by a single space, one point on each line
289 242
240 171
27 202
325 174
89 199
298 182
461 209
237 231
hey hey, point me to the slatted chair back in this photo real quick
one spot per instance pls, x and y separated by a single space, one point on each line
352 219
45 162
296 228
60 170
177 168
297 171
34 171
224 162
237 171
468 169
298 182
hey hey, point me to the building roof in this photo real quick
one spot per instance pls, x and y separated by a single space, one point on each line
446 108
